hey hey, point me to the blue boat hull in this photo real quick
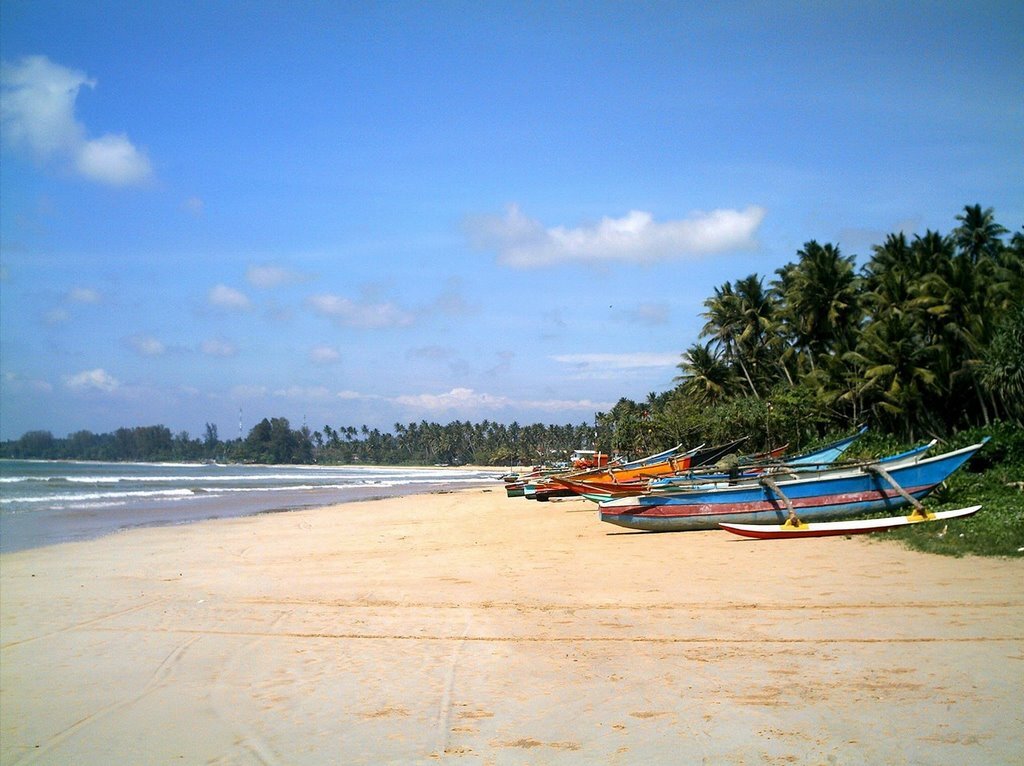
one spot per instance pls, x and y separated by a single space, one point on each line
814 499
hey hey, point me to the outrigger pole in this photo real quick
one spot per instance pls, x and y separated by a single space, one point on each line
877 470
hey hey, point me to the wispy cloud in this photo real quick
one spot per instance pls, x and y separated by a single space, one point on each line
38 114
524 242
456 398
217 347
13 381
324 355
268 276
224 297
632 361
245 392
304 393
56 316
92 380
147 345
473 402
651 314
366 315
83 295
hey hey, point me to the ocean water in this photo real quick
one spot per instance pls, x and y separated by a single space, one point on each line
46 502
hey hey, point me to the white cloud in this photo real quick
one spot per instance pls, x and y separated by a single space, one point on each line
83 295
561 405
324 355
636 237
247 392
631 361
468 400
226 297
272 276
113 160
147 345
218 347
13 382
304 393
457 398
363 315
38 114
97 380
354 395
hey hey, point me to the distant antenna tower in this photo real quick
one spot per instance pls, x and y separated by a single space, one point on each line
239 422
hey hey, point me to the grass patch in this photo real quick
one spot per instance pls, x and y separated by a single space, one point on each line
990 479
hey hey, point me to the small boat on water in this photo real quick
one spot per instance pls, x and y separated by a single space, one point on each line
869 488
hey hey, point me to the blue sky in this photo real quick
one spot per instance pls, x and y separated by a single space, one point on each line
369 213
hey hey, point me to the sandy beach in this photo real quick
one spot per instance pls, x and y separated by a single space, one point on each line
473 628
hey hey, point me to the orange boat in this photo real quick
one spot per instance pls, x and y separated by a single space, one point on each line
668 466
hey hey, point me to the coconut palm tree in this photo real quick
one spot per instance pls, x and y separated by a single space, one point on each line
897 375
1002 368
705 376
978 234
725 324
953 296
820 301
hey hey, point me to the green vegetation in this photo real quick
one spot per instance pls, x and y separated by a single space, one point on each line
926 340
992 479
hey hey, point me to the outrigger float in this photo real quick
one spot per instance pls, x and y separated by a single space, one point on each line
790 530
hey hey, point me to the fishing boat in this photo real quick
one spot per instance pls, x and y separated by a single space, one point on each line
526 485
870 488
822 459
644 469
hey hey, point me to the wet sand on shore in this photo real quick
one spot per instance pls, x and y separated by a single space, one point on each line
468 627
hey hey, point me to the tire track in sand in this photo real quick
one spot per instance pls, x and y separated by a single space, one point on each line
160 674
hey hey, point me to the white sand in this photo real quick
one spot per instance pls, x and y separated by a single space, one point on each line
475 628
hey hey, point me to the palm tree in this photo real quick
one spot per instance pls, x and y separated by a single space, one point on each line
953 295
820 301
978 234
705 376
760 338
726 324
1002 370
897 374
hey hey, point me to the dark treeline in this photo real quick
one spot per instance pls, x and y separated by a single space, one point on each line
275 441
927 338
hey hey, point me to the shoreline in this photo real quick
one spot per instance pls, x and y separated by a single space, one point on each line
470 627
113 502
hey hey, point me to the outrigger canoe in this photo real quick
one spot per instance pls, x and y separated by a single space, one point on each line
837 495
644 469
516 484
832 528
600 492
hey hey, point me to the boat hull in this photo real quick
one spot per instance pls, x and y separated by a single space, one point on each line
816 499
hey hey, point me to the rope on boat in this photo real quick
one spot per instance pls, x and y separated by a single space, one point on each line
882 473
769 483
